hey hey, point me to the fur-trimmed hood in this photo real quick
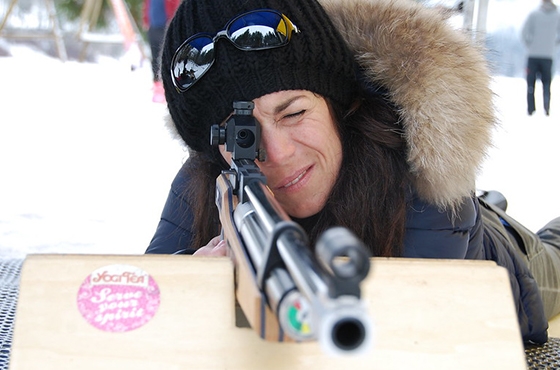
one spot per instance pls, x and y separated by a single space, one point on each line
439 80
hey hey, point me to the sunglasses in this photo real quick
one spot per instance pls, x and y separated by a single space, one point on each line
256 30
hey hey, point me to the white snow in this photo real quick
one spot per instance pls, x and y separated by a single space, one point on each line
86 160
523 162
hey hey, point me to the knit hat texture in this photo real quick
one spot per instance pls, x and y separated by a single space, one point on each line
316 59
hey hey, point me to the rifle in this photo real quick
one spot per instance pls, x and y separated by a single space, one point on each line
281 287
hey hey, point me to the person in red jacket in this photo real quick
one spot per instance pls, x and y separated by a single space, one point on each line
156 16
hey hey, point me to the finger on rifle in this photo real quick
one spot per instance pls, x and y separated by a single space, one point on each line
215 248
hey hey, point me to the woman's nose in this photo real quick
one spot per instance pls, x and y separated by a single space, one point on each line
277 145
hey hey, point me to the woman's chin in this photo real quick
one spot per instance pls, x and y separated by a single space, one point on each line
302 212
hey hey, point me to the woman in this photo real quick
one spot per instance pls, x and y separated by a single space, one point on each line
375 116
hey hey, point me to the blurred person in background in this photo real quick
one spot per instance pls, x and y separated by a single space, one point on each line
156 16
541 36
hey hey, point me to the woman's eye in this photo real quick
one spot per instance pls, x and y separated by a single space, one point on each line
294 115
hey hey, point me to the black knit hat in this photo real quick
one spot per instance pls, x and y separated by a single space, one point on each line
316 59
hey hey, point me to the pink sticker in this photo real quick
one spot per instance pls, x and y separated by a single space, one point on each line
118 298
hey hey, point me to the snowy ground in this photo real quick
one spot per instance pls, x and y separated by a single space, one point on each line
523 163
86 161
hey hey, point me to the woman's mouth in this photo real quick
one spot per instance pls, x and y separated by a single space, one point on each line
296 180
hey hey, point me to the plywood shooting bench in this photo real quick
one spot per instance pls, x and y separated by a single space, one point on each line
178 312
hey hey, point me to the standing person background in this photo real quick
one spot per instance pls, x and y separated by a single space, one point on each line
541 36
156 16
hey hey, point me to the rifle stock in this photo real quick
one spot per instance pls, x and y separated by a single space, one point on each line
285 292
260 317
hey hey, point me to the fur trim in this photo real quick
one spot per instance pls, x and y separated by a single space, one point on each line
439 80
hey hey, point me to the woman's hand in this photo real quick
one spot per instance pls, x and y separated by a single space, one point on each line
215 248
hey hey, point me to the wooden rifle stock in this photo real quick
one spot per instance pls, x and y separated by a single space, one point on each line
250 298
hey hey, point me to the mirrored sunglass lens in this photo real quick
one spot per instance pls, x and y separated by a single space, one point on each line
258 30
192 61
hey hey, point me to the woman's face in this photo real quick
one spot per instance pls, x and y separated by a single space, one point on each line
304 151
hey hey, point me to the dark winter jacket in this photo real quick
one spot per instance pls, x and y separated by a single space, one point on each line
440 82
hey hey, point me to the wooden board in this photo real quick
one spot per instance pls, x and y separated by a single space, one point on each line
427 314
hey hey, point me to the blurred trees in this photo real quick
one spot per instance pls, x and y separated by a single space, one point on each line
71 9
504 50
